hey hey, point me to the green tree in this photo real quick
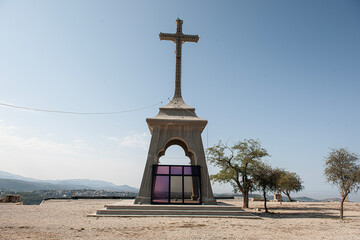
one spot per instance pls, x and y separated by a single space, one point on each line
236 164
289 182
342 169
265 179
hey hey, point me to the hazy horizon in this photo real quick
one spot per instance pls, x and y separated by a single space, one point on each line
316 195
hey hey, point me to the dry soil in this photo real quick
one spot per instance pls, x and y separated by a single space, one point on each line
66 219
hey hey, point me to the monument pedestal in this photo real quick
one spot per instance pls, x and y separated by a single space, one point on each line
176 124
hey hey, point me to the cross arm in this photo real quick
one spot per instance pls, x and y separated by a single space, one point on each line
167 36
190 38
183 37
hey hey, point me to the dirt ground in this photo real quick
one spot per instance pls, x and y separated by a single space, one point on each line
66 219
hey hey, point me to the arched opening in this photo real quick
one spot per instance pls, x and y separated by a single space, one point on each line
174 155
178 151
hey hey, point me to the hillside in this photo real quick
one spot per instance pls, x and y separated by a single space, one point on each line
12 182
25 186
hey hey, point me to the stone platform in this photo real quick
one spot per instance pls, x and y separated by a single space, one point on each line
126 208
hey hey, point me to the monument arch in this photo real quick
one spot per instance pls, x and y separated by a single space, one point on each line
179 142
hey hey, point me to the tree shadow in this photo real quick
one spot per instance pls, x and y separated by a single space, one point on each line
314 211
317 210
224 203
296 215
304 208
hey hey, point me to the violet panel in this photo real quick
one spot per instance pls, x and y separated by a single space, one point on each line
162 170
161 189
176 170
187 170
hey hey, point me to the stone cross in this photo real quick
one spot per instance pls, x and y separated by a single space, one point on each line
178 38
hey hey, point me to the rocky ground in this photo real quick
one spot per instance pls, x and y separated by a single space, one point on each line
66 219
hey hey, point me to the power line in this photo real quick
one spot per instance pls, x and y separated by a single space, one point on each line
78 113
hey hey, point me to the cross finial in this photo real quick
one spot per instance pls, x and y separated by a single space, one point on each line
179 23
178 38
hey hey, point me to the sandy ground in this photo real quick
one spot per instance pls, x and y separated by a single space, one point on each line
67 220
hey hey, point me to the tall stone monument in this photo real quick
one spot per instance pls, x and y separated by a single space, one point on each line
176 124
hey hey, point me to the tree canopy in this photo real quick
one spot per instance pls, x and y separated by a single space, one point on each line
342 169
289 182
265 179
236 164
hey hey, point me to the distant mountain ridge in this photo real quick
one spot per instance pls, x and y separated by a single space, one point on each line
12 182
8 175
25 186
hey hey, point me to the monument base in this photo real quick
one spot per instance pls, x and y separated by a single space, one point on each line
142 200
146 200
126 208
209 201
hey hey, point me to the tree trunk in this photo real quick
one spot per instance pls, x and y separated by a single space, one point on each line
288 195
245 199
342 207
264 194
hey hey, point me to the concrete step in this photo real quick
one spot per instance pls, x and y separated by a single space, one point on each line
175 207
177 216
172 211
169 212
128 209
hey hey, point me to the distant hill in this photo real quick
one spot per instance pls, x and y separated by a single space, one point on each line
7 175
12 182
332 200
25 186
95 184
304 199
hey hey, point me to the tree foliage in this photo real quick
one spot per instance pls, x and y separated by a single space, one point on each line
236 164
265 179
289 182
342 169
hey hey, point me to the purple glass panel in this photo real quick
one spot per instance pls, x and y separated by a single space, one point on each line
161 189
162 170
192 170
187 170
176 170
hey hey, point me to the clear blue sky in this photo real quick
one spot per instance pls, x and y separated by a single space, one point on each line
284 72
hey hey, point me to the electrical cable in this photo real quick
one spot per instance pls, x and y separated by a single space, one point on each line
78 113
